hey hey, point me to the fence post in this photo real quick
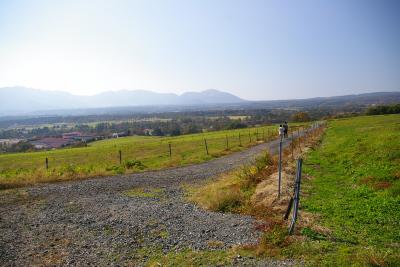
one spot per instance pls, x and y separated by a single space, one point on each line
298 137
205 144
120 157
296 195
256 135
227 144
250 136
47 163
240 140
292 146
289 208
280 168
263 135
170 150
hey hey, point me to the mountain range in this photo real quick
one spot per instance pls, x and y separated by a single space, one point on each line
16 101
24 100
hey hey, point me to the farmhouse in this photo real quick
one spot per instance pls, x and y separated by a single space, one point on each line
148 131
51 142
9 142
72 135
78 136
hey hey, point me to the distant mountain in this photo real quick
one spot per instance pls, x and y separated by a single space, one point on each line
19 100
15 101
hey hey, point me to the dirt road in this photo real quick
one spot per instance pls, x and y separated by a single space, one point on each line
92 222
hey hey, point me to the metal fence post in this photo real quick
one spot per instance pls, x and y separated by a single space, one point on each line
296 195
280 168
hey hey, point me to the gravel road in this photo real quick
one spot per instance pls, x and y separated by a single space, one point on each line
92 222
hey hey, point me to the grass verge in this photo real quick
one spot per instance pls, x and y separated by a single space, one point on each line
352 196
350 202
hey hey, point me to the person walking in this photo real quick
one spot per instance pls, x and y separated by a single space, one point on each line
286 129
281 131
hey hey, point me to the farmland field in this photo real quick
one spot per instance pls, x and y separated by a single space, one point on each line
138 153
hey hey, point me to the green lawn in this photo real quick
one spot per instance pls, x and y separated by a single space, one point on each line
354 195
138 153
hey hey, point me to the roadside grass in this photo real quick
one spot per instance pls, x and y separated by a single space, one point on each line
350 203
232 191
153 256
139 153
193 258
353 193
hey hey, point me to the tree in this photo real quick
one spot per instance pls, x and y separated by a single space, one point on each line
380 110
158 132
301 117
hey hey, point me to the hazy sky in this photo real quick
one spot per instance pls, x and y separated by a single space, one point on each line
254 49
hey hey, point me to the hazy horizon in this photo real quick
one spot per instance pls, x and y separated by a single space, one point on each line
258 50
191 91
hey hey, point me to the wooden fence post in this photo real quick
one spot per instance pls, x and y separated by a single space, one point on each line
227 143
250 136
240 140
120 157
280 168
205 144
292 146
170 150
47 163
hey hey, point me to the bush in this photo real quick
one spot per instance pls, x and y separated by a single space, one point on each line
131 164
237 125
380 110
301 117
116 169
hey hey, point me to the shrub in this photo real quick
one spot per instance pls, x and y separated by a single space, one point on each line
131 164
116 169
382 109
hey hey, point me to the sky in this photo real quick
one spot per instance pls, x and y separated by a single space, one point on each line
257 50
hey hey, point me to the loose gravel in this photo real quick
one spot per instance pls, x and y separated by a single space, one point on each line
93 222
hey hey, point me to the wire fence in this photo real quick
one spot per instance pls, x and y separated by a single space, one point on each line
153 153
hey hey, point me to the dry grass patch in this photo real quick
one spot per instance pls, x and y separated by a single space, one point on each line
231 192
145 192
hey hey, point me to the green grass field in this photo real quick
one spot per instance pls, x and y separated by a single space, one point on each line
354 195
138 153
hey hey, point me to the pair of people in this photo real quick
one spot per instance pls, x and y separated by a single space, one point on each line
283 130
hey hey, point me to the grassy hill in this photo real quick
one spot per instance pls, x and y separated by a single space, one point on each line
138 153
354 194
350 199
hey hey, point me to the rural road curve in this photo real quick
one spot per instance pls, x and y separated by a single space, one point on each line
91 222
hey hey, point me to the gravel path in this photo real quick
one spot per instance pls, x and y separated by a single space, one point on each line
92 222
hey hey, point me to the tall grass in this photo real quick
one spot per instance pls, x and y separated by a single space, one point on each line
232 191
